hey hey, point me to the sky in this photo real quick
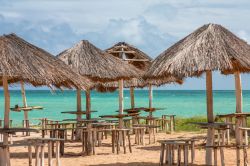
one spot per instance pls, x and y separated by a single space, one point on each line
150 25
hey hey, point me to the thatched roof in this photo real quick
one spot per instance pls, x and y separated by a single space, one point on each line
211 47
22 61
136 83
96 64
133 55
140 60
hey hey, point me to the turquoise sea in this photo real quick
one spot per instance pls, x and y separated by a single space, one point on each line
183 103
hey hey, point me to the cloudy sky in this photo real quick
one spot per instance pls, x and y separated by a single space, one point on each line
150 25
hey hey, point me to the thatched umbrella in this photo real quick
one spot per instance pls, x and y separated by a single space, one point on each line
99 66
211 47
133 56
142 61
22 61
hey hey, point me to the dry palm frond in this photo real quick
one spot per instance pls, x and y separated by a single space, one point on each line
211 47
22 61
96 64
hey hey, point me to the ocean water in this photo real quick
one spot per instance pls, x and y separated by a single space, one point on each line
183 103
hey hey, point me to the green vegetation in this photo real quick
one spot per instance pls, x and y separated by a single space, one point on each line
184 124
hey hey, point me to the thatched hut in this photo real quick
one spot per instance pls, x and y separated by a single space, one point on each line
211 47
22 61
99 66
140 60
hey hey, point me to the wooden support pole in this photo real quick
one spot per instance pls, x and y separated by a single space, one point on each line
6 120
120 102
238 94
150 95
88 104
79 104
132 97
24 101
210 117
78 116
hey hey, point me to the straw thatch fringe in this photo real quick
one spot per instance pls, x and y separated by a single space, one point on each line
211 47
96 64
21 60
136 83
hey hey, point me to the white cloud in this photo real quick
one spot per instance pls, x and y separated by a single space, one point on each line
244 35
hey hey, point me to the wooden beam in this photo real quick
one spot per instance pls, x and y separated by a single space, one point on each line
210 118
88 104
127 52
137 60
120 83
132 97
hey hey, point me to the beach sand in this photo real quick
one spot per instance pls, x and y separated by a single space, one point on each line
147 155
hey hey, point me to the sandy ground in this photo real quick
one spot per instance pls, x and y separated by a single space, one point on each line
142 155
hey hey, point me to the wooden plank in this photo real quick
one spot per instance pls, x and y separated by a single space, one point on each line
210 118
122 51
137 60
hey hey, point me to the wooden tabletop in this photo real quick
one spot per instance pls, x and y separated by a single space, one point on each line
44 139
119 115
84 120
234 115
15 129
19 109
147 117
212 125
77 112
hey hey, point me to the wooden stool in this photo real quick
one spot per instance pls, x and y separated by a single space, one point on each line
168 124
215 151
26 123
119 136
88 141
168 151
39 144
139 135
